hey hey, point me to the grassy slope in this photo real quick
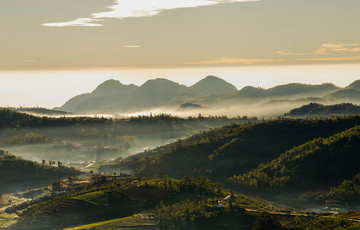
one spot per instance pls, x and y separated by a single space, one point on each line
233 149
119 199
17 174
320 162
319 110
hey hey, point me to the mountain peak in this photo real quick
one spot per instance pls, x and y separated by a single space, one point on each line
108 86
160 82
354 85
212 77
212 85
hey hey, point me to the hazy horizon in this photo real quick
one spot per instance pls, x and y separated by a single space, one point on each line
52 88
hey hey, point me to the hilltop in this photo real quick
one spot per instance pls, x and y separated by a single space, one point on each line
17 174
233 149
289 91
96 138
212 85
319 163
319 110
100 200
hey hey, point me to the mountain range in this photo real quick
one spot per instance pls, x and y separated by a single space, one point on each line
211 92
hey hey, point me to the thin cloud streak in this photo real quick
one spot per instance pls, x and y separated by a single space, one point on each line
139 8
333 47
348 58
327 48
288 53
77 22
235 61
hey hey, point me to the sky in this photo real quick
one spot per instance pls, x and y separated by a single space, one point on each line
87 34
51 50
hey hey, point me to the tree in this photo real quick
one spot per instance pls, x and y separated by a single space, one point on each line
56 185
70 179
126 146
266 221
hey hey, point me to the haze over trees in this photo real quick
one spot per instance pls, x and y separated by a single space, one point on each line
97 138
220 153
211 92
17 174
313 110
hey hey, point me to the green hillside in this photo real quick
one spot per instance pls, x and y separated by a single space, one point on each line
232 149
17 174
97 138
41 111
319 163
348 191
164 203
164 198
318 110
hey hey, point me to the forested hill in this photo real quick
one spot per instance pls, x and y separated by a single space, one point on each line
84 138
318 110
322 162
17 174
234 149
13 119
41 111
348 191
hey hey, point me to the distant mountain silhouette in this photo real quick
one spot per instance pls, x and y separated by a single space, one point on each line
114 97
288 90
319 110
212 85
251 92
158 92
104 95
355 85
112 86
350 94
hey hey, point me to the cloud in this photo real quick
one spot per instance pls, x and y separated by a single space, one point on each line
348 58
140 8
288 53
327 48
235 61
132 46
333 47
28 61
77 22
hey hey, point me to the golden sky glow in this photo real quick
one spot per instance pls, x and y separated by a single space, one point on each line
123 34
236 61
